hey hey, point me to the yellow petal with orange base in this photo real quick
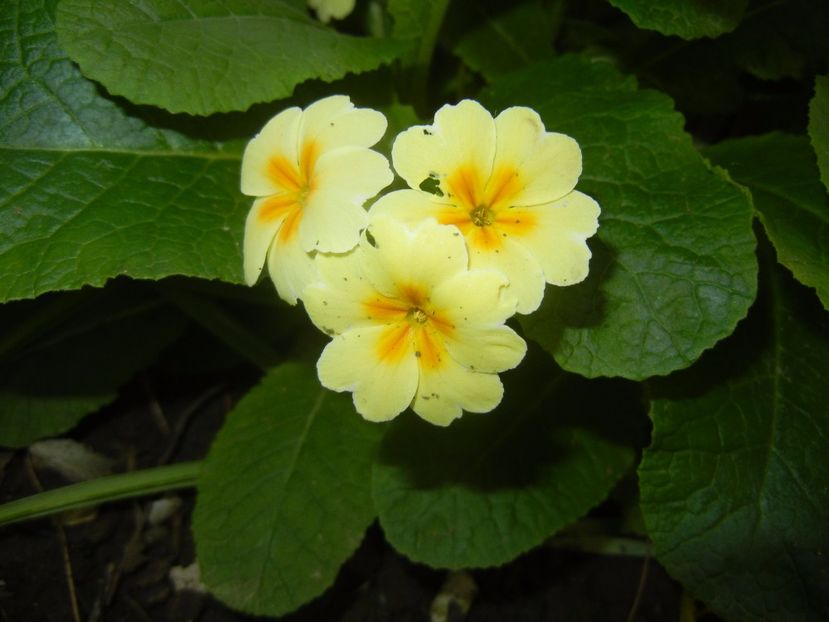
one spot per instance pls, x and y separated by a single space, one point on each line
264 220
548 164
333 216
559 241
477 303
463 134
278 139
399 257
382 388
337 301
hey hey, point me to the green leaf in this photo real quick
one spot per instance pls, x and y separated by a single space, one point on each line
734 485
56 372
80 217
819 126
48 103
793 206
496 37
673 266
496 485
690 19
201 58
284 494
89 192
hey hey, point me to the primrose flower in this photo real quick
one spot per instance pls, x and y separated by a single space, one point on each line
507 185
326 9
312 171
412 325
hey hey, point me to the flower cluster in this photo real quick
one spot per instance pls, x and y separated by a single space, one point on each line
416 291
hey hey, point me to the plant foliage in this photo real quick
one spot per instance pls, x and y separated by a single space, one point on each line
704 131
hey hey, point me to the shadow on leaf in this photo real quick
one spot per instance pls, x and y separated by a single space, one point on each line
546 419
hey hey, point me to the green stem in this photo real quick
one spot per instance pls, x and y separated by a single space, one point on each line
101 490
425 51
213 318
557 12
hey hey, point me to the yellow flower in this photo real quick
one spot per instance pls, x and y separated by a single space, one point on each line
412 325
507 185
326 9
312 171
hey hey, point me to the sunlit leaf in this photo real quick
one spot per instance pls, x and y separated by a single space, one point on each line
205 57
673 265
89 192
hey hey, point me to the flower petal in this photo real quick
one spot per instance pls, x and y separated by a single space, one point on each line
263 221
290 267
412 207
334 122
461 136
382 389
356 172
475 297
278 139
443 396
396 258
334 215
336 303
558 240
327 9
522 269
486 348
548 163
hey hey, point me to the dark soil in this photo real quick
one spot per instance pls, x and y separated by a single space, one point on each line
120 563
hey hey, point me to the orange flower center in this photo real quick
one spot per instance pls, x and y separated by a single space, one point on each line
413 324
483 208
296 183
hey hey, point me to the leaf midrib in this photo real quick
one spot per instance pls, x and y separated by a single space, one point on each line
804 206
300 446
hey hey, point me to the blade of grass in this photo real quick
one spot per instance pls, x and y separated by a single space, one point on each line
101 490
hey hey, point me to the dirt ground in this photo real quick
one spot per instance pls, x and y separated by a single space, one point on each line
121 557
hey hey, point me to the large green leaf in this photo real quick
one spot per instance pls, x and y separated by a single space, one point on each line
284 496
792 203
673 266
690 19
206 57
494 37
819 126
493 486
735 486
66 355
89 192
